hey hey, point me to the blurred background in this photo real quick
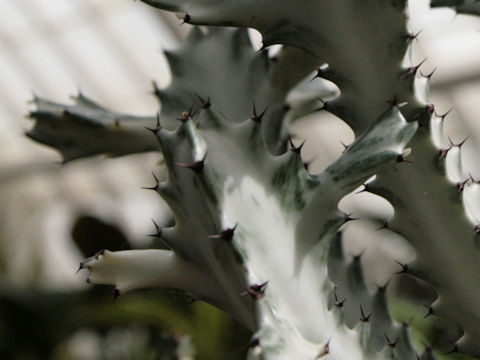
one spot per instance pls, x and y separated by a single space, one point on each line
52 214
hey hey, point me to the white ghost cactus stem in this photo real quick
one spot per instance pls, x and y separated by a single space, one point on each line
152 268
134 269
279 218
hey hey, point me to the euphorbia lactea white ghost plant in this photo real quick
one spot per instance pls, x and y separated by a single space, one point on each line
255 233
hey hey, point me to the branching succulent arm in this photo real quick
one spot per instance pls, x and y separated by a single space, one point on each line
86 128
436 209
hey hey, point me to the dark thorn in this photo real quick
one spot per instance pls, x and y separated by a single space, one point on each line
357 258
79 268
205 103
384 226
413 36
295 149
155 178
443 152
187 115
156 89
156 225
389 342
345 146
320 70
257 117
430 109
395 103
256 291
365 189
429 311
318 75
428 76
99 253
325 350
307 164
196 166
88 280
401 159
324 105
158 230
460 144
157 127
348 217
413 69
383 288
364 318
404 268
461 185
476 229
116 294
186 19
473 180
254 342
226 234
453 350
263 48
443 116
338 303
154 187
